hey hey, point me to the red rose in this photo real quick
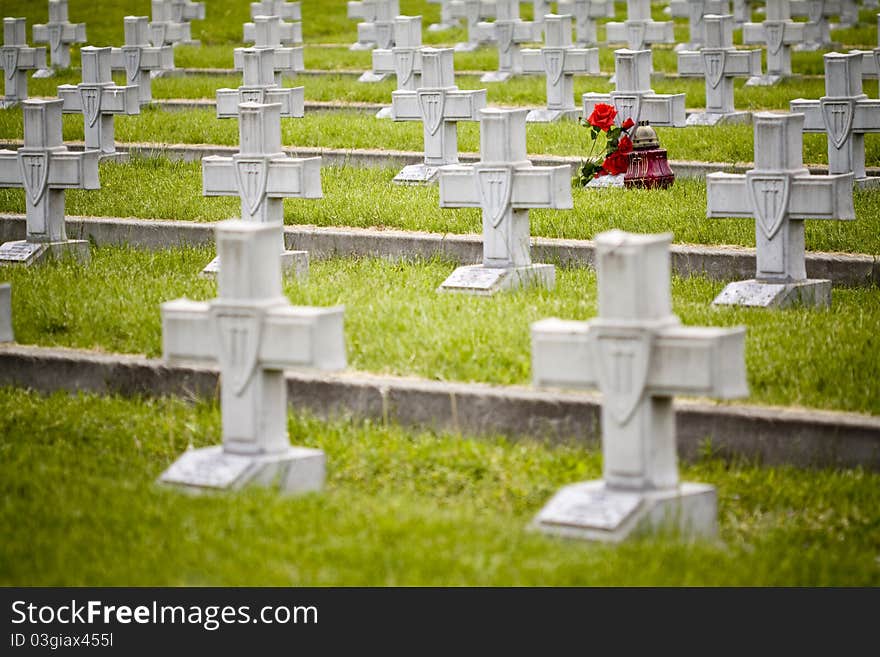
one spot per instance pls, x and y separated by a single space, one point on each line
616 163
629 123
602 116
624 145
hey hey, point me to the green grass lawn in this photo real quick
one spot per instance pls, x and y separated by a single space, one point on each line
397 324
80 507
157 188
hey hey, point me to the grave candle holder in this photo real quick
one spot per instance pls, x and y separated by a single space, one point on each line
648 165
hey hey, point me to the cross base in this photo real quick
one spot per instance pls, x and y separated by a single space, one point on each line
551 116
115 156
294 263
369 76
417 174
813 47
607 182
295 470
360 45
441 27
25 254
466 46
6 103
809 292
713 118
480 280
767 80
385 113
497 76
590 511
43 73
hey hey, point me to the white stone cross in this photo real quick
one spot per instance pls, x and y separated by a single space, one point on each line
558 61
263 176
439 105
403 58
170 22
780 194
719 63
633 97
253 333
637 353
778 33
267 35
473 11
59 33
259 86
376 29
138 58
585 14
694 11
505 185
287 33
742 11
639 30
817 29
844 114
447 20
98 99
45 168
508 31
17 59
6 333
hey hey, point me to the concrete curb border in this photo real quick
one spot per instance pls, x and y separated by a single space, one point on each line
770 435
717 263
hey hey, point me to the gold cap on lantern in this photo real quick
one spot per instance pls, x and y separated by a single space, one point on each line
645 137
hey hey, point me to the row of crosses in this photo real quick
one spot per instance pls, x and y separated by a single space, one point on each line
289 33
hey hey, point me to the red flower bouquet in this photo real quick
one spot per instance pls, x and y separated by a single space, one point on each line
613 158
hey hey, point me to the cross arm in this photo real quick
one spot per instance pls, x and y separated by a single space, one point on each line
464 105
870 66
356 11
542 187
28 58
812 111
457 187
151 58
285 59
699 361
864 115
690 64
405 106
383 60
727 196
67 169
532 61
298 336
70 33
822 197
114 100
193 11
291 99
525 31
187 334
10 172
294 177
290 11
562 354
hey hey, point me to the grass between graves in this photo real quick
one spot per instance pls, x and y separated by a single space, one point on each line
157 188
397 324
80 507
